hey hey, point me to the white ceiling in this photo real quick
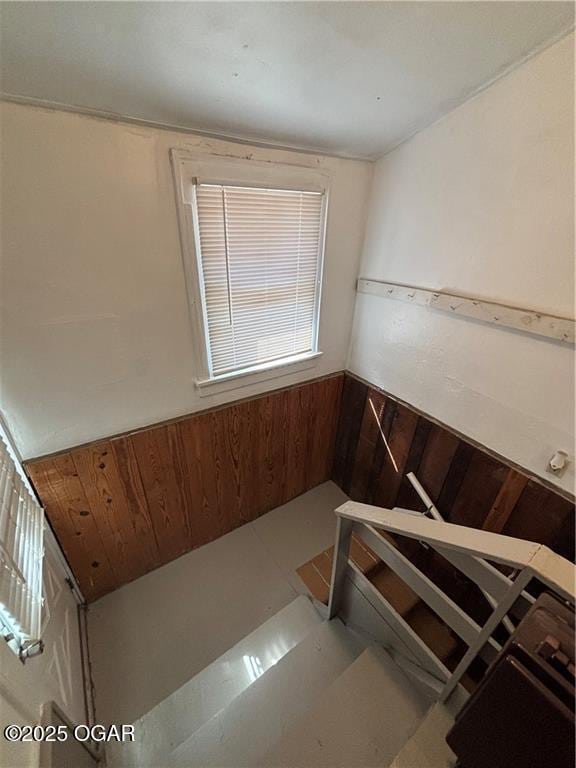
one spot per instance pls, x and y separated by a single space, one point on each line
349 78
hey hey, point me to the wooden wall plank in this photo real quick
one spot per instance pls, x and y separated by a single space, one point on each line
480 487
270 459
366 447
454 477
198 479
184 476
131 552
240 426
157 456
297 447
135 503
131 501
354 394
396 456
123 506
437 459
539 516
223 458
73 523
206 459
381 452
468 485
565 541
407 497
325 405
507 498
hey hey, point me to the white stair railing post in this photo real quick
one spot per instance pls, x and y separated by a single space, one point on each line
500 611
339 563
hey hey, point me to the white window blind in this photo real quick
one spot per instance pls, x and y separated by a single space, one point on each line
261 257
21 554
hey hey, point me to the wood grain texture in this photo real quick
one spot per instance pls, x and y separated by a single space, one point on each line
368 438
507 498
396 456
125 546
437 459
477 493
407 497
156 452
123 506
74 523
353 401
376 446
539 516
386 421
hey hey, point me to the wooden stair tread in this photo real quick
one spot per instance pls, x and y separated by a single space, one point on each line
432 631
315 583
389 538
397 592
316 573
361 555
323 564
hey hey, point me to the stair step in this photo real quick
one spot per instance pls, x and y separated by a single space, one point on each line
427 748
316 573
397 592
247 728
363 719
318 587
432 631
323 564
362 555
173 720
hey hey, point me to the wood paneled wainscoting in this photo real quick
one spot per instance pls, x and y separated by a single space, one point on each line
380 439
123 506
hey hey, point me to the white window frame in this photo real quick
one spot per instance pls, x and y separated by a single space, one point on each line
187 167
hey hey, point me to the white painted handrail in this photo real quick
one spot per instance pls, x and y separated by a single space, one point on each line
547 565
502 549
467 549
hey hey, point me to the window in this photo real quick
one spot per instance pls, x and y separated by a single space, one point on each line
21 555
255 258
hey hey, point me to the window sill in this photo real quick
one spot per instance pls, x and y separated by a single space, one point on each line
256 374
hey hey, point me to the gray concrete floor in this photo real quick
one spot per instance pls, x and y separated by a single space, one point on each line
151 636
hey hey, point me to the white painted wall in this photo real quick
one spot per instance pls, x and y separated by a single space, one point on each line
56 675
482 203
96 335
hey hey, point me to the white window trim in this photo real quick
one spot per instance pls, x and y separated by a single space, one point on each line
186 167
